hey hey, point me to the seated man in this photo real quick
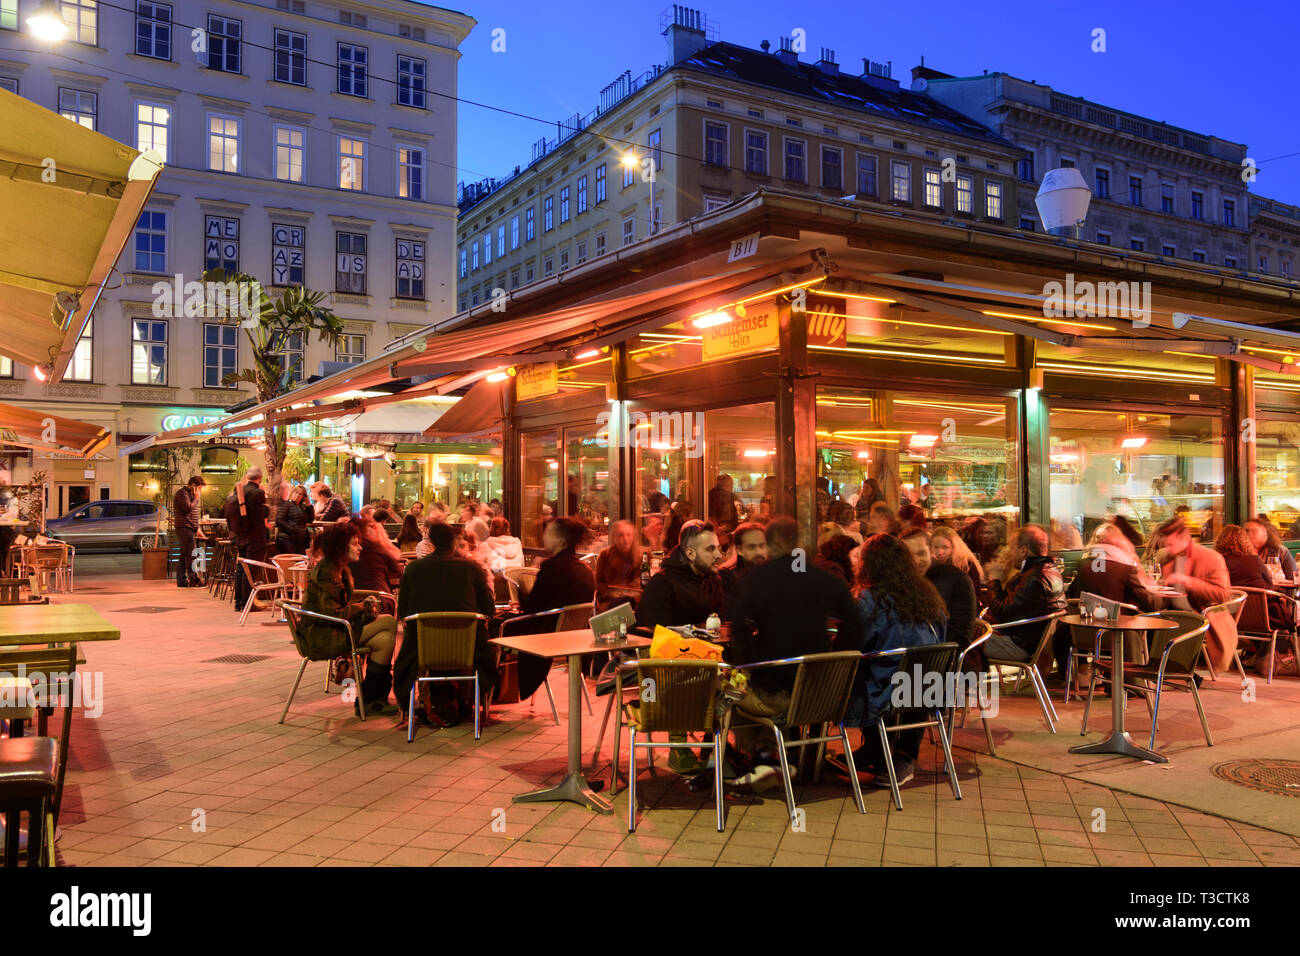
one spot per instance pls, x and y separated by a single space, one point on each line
1202 575
1035 589
783 612
443 581
687 588
749 550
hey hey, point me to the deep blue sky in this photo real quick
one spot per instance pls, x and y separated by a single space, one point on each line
1224 69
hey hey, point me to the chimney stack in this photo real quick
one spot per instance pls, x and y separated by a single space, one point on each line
786 54
827 63
685 32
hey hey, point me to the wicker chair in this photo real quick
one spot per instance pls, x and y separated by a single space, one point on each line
520 581
1177 652
678 697
823 686
445 643
1257 623
293 615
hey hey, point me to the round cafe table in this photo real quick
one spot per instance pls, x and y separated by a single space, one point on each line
1119 742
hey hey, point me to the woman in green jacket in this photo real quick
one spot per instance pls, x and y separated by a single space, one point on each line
329 591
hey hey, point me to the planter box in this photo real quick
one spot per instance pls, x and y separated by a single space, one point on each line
153 564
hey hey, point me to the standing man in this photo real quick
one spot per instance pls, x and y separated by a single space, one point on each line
722 503
251 534
185 519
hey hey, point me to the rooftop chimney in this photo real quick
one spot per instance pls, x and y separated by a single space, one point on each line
786 54
685 32
879 74
827 63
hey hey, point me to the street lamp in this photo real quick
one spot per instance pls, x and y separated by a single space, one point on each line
47 22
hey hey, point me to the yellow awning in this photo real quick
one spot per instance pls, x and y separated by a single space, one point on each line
69 201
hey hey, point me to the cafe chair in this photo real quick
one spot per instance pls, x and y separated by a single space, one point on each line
52 565
1258 623
445 644
939 659
295 615
678 697
1231 607
53 666
1029 668
508 627
1177 651
576 617
520 581
972 652
274 587
28 781
1081 647
823 686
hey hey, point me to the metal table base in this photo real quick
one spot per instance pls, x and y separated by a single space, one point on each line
574 787
1119 742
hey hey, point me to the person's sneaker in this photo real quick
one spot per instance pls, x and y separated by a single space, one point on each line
682 760
835 761
902 768
763 777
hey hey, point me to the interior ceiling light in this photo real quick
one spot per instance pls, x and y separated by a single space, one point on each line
1135 441
710 320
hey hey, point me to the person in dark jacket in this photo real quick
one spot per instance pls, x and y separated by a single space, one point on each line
1034 590
330 507
723 503
562 580
1108 568
954 589
443 581
897 607
783 612
1267 542
251 533
618 569
379 567
749 550
835 555
1246 569
291 523
330 591
687 588
185 519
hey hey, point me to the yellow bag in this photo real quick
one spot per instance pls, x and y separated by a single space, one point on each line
668 645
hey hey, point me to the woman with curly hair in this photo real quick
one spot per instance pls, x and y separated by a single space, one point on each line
1246 568
329 591
898 607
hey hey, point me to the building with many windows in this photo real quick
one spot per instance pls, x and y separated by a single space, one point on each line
714 124
1274 238
305 145
1156 188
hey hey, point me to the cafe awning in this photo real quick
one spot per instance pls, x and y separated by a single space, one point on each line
45 432
69 201
478 413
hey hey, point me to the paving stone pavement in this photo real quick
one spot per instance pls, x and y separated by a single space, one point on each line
187 766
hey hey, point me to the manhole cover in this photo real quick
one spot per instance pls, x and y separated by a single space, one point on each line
148 610
1271 776
237 659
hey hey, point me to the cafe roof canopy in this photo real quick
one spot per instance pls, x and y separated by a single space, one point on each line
69 200
979 276
53 433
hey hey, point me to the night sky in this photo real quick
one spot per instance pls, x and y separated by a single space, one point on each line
1227 70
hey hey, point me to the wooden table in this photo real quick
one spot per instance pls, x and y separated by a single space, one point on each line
28 624
1119 742
573 645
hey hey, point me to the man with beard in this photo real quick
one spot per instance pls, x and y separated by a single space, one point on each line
749 551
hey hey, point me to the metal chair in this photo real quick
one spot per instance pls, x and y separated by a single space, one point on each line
546 684
575 617
520 581
974 645
1081 644
1178 651
445 642
823 686
1255 623
1030 667
678 697
272 587
50 561
923 660
1233 607
294 614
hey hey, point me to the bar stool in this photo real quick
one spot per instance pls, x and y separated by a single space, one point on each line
28 774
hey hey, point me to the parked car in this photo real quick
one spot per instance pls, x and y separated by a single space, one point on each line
107 524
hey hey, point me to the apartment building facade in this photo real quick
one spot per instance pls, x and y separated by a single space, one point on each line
1156 188
714 124
1274 237
305 145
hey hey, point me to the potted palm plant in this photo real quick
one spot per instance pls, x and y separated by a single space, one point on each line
168 464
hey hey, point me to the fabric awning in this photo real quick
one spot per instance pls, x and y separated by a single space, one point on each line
477 413
46 432
69 201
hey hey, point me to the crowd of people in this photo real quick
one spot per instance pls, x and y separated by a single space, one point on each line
878 579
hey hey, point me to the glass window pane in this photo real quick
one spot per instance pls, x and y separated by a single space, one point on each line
587 490
739 463
541 485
